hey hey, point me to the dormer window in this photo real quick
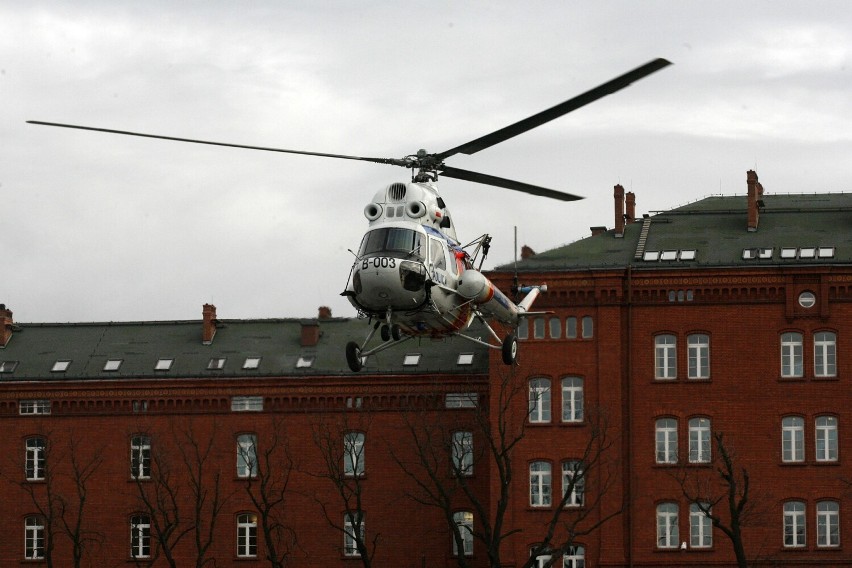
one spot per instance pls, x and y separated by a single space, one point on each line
60 366
163 364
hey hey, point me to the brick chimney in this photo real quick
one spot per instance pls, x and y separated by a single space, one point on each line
5 325
618 195
208 325
630 199
324 313
755 200
526 252
310 333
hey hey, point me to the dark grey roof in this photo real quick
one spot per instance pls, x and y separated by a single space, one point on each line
716 228
277 342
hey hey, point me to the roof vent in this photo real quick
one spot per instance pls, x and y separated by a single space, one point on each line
396 192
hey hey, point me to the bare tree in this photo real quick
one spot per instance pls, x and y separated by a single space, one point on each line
270 467
72 510
722 493
341 440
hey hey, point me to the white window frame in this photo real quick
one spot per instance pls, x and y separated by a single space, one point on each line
826 438
700 526
665 435
668 533
35 463
791 355
464 522
539 400
251 363
461 400
246 535
665 357
572 399
792 439
140 456
828 524
112 365
463 453
354 464
795 526
700 446
246 403
698 355
353 521
34 537
541 494
573 470
28 407
164 364
140 536
825 354
246 456
574 557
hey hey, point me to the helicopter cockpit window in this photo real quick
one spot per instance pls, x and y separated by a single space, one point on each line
436 253
399 243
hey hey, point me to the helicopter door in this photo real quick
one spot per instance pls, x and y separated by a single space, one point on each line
438 261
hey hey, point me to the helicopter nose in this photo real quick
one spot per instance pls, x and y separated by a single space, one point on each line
380 283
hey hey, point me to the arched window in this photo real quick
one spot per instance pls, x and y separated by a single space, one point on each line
34 538
700 526
791 354
825 354
828 524
668 535
698 351
464 523
35 462
793 439
665 357
246 455
540 484
699 440
794 524
140 457
572 399
140 536
247 535
826 438
666 440
539 401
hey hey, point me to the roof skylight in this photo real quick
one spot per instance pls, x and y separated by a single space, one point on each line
465 359
216 364
305 361
8 366
112 364
411 359
163 364
60 366
668 255
251 363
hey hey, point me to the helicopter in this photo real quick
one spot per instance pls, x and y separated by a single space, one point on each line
412 277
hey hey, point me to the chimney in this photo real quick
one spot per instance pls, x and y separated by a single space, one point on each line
618 195
597 230
630 198
310 333
755 200
5 325
324 313
208 325
526 252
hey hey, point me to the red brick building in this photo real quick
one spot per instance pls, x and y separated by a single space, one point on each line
712 329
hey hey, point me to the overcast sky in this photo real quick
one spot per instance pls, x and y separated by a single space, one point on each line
97 227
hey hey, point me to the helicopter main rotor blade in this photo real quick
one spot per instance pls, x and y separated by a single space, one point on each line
392 161
487 179
545 116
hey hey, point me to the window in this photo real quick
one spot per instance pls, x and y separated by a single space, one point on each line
353 526
539 407
247 535
163 364
540 495
8 366
523 329
216 364
34 407
588 327
699 440
140 406
793 439
353 454
573 482
461 400
667 526
60 366
538 328
246 455
251 363
700 526
465 359
665 352
666 436
411 360
825 354
828 523
140 536
794 524
826 438
807 299
463 453
35 462
555 325
698 350
575 557
112 364
140 457
464 523
34 538
791 354
571 327
246 403
542 558
572 399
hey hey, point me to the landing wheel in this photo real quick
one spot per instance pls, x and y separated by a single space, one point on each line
510 349
353 356
385 333
396 333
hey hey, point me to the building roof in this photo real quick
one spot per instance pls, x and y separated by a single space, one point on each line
277 343
793 230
